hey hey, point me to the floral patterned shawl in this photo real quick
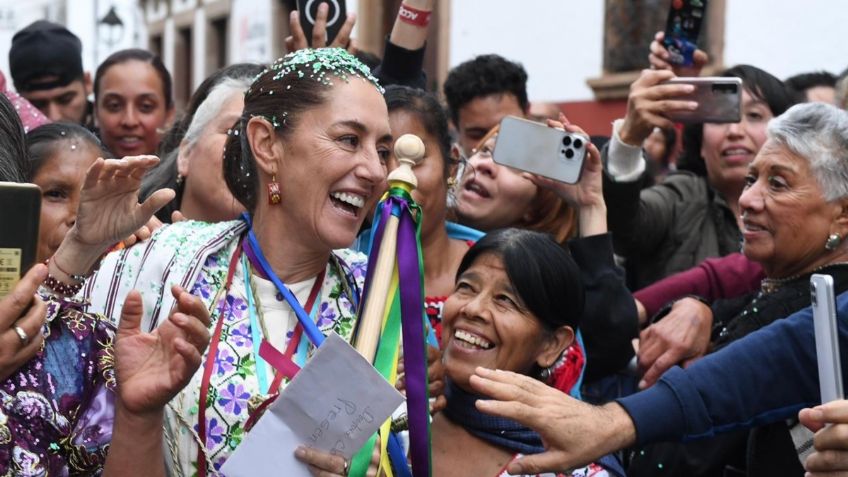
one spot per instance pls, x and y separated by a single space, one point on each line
56 411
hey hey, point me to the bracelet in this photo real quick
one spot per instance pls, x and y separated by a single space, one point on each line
413 16
76 278
60 287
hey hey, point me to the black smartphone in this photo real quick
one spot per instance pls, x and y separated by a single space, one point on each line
682 29
20 211
336 16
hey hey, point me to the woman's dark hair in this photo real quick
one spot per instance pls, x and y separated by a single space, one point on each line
13 154
289 87
542 272
41 143
171 139
164 175
426 108
136 54
759 84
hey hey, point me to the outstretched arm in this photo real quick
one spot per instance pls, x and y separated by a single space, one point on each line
574 433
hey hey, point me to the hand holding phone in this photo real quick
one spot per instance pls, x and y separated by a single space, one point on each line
682 29
321 23
719 100
827 337
541 150
20 217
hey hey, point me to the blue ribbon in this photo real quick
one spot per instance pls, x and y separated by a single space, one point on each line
309 327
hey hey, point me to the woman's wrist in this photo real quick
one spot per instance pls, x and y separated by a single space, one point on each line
412 24
592 219
73 257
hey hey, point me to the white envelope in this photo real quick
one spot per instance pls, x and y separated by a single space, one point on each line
335 403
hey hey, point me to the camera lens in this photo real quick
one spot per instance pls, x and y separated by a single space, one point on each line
566 141
578 143
569 153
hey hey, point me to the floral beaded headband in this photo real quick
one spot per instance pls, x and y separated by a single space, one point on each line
319 64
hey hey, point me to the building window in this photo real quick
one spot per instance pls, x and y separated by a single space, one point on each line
216 44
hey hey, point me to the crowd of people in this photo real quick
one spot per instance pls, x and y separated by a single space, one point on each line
610 327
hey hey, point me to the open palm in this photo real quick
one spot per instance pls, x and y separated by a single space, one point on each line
109 209
153 367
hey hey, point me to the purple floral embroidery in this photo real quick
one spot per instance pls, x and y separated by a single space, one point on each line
225 362
326 315
202 288
357 270
241 335
234 398
237 308
214 432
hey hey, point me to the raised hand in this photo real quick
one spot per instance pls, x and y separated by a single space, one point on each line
109 210
298 41
21 309
648 102
574 433
658 58
153 367
681 337
586 196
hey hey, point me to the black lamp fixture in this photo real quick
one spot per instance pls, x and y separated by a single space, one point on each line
113 26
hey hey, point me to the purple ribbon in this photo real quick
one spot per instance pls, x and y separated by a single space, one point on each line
414 343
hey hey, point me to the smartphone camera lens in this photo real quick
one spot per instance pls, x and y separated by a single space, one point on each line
566 141
569 153
578 143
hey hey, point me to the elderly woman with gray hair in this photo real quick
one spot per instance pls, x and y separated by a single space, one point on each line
193 165
795 221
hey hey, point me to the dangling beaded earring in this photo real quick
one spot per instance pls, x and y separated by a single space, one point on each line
833 241
274 196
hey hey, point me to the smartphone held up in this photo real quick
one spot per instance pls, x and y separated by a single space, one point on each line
682 29
719 100
308 12
20 215
540 150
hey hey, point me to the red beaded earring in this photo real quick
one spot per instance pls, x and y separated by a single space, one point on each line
274 196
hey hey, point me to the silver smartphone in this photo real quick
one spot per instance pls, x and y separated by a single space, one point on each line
719 100
536 148
827 337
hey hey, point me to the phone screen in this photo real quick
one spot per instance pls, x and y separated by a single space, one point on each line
336 16
19 214
682 29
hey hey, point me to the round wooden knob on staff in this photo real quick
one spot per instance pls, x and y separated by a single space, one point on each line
409 150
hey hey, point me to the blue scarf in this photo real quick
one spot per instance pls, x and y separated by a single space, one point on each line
502 432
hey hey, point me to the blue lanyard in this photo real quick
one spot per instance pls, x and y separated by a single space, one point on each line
309 327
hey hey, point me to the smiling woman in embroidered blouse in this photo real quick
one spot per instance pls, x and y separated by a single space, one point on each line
307 158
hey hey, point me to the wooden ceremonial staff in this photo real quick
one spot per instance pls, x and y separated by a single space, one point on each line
409 150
